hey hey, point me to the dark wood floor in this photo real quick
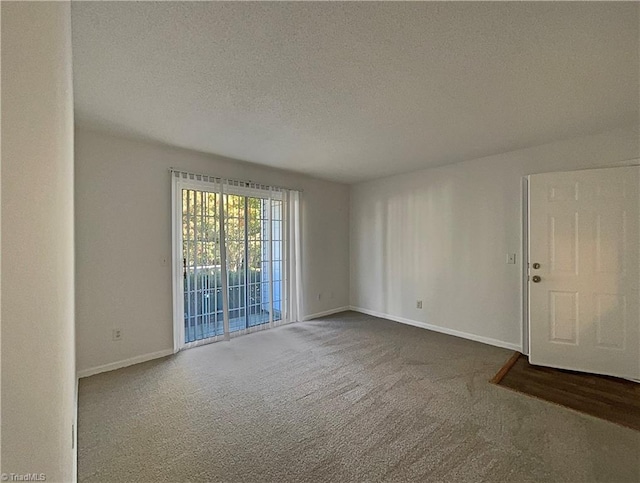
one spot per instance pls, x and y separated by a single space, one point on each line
610 398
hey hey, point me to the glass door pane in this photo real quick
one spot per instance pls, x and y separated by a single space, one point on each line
254 260
235 238
201 265
258 292
277 256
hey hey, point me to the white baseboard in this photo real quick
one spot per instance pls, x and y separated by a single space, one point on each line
156 355
465 335
74 474
127 362
325 313
443 330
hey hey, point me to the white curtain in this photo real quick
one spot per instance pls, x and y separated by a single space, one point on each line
293 265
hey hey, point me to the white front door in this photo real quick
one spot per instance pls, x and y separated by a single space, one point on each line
584 271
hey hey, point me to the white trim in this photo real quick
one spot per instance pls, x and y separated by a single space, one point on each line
443 330
176 266
124 363
74 475
270 258
224 280
327 312
524 287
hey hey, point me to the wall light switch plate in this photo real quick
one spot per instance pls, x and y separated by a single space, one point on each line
511 258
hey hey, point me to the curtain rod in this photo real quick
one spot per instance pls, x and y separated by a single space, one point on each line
186 171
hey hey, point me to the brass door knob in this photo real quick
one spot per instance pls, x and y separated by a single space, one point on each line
536 279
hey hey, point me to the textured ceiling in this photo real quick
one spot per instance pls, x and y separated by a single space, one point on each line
352 91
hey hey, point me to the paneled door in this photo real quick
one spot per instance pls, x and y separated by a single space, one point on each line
584 271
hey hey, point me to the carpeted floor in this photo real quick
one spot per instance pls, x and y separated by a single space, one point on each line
344 398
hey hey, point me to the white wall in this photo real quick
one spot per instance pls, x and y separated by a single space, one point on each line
38 347
442 235
123 232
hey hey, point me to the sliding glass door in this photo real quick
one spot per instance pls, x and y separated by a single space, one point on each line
250 237
201 264
249 228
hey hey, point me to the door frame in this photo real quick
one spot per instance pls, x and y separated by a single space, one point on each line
525 244
525 266
176 266
192 182
176 261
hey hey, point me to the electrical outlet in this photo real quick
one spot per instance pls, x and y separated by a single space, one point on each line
418 304
116 334
511 258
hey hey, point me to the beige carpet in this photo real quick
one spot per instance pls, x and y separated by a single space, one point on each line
344 398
